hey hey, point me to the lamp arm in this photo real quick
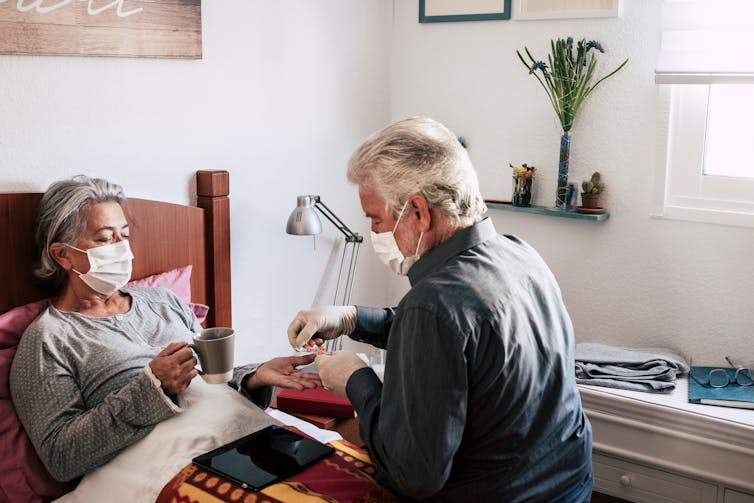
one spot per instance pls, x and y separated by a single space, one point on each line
351 237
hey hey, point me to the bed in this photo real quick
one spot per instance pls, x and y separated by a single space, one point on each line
186 248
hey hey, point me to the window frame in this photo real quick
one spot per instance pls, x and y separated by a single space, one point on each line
687 193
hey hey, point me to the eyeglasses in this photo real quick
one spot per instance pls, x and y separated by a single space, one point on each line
720 378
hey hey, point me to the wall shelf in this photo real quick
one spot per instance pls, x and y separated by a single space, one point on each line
545 210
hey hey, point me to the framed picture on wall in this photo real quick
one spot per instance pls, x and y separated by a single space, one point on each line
440 11
142 29
567 9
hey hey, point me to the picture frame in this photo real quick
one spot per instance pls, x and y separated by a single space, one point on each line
139 30
567 9
441 11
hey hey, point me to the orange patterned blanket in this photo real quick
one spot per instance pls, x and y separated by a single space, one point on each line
347 475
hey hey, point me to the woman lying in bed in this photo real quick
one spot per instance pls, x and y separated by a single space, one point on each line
99 368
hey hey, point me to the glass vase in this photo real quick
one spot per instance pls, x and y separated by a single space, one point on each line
565 154
522 190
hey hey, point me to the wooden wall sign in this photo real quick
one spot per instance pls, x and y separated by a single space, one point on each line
124 28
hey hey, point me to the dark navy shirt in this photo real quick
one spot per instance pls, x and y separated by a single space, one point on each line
479 401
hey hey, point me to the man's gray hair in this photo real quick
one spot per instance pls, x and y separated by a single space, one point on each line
60 218
419 155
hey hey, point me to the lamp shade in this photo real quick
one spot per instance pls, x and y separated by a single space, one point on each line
304 220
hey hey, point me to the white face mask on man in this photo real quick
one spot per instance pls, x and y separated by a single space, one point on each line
109 267
387 250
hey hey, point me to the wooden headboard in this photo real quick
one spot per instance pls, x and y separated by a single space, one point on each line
164 236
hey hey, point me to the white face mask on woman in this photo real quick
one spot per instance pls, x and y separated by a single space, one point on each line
387 250
109 267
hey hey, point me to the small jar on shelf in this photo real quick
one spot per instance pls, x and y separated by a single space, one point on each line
523 178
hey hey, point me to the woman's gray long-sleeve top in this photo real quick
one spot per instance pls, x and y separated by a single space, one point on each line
81 385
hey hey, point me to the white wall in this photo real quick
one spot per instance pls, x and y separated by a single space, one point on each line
632 280
284 93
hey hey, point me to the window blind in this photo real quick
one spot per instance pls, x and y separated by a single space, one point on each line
706 42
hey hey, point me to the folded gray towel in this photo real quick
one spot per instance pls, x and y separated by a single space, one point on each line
646 369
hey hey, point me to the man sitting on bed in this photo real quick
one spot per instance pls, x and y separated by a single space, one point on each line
97 370
479 401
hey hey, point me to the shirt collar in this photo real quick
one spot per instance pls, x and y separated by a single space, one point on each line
462 240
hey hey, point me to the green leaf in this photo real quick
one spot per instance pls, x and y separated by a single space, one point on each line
568 80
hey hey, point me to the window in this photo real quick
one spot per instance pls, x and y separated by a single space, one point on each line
709 174
727 151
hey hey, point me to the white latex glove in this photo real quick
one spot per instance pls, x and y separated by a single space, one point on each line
336 369
325 322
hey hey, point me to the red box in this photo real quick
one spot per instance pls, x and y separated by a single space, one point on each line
314 401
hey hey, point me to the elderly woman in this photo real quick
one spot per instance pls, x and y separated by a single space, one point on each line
97 370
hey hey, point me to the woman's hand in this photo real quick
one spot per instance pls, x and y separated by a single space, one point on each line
174 367
282 372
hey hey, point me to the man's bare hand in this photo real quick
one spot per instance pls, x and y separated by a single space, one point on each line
174 367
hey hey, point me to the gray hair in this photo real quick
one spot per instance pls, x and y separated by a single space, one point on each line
60 218
419 155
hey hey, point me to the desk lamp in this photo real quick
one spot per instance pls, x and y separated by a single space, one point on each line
305 222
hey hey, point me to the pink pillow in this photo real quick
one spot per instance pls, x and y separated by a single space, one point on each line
12 325
24 476
179 281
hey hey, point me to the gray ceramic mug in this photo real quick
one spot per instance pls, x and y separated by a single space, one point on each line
214 347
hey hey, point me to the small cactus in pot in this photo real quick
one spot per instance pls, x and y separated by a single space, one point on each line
591 190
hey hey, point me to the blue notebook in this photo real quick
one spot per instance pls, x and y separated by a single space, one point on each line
732 395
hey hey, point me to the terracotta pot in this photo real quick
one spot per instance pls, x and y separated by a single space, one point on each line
590 200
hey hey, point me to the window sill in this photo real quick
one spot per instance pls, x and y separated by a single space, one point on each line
706 215
545 210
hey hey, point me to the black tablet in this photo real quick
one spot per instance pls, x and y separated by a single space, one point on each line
264 457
